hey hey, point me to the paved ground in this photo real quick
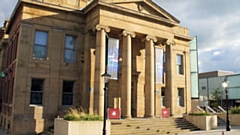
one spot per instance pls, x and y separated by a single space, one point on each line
221 130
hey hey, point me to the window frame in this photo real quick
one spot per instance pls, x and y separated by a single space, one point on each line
70 49
180 64
36 91
68 93
163 97
40 45
180 97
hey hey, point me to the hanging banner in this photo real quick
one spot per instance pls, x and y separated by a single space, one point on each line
159 65
113 57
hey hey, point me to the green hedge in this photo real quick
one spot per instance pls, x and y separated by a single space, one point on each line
235 110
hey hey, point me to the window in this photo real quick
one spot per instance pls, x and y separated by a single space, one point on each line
204 88
180 97
163 96
164 62
180 64
67 97
36 91
70 49
40 45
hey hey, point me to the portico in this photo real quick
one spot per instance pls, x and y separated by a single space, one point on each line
136 88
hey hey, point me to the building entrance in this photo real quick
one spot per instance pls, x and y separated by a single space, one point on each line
133 99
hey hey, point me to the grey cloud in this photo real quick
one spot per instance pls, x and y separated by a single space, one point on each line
6 9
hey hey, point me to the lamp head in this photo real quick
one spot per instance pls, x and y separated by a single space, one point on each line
225 84
106 77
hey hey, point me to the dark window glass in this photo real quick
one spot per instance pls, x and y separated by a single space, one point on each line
181 97
163 96
36 91
67 97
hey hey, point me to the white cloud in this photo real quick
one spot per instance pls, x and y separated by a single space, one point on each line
216 25
217 53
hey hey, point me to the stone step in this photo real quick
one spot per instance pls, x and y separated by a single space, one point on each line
150 132
144 128
151 126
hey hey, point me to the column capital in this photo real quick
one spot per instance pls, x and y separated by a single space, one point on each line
149 38
169 42
99 27
126 32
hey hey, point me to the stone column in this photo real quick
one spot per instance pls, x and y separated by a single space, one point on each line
171 100
149 76
99 68
187 90
126 75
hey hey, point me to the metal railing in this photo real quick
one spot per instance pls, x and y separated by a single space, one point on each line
222 109
209 108
199 108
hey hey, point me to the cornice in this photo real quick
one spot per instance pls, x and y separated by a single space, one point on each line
183 37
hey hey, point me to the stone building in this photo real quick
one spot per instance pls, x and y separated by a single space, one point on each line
56 56
3 46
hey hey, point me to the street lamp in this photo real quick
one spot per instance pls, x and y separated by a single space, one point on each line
106 77
225 86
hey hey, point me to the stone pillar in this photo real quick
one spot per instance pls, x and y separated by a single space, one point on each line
99 68
171 99
187 90
149 76
126 75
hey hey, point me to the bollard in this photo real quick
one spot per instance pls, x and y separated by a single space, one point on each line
222 132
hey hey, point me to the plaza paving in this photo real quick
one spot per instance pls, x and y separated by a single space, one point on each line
221 130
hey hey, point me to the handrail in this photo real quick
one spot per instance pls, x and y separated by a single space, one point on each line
200 108
222 109
210 109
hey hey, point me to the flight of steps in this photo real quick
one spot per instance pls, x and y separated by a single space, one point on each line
157 126
220 122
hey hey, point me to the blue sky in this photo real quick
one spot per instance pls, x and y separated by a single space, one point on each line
216 23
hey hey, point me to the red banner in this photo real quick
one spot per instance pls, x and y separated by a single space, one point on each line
113 113
165 112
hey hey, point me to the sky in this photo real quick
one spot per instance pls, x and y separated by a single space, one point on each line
216 23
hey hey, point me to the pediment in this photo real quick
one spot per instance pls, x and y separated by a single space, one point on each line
145 7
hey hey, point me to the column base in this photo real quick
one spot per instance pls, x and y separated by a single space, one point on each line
126 117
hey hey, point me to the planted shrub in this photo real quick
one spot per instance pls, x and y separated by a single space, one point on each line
235 110
79 115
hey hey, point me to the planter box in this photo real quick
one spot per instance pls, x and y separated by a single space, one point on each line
203 122
234 118
63 127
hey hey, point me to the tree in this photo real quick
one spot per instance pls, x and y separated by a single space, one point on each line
216 97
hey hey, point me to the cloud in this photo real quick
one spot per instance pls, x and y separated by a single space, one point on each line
6 9
216 25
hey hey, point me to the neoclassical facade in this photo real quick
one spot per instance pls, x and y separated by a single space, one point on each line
58 52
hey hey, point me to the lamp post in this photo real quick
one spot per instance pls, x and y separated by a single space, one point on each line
106 77
225 86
